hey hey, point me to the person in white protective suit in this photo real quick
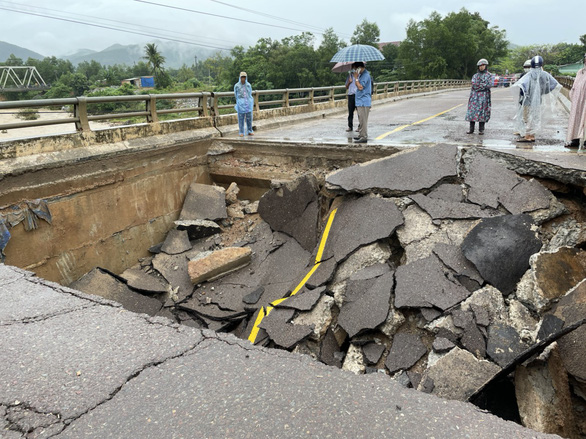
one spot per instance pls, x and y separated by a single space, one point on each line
539 91
577 122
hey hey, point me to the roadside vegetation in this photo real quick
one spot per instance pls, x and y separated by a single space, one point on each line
438 47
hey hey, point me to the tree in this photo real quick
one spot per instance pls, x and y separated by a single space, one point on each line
155 61
449 47
366 33
13 61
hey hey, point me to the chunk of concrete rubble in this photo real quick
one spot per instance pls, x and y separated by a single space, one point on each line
210 312
406 350
487 179
359 222
100 283
372 254
235 211
146 283
218 263
442 209
174 269
441 345
472 339
204 201
423 284
232 193
452 257
323 274
251 208
459 374
400 174
292 208
500 249
572 308
304 300
177 241
527 196
552 275
543 395
330 352
504 344
366 305
282 332
198 228
373 352
354 360
319 318
448 192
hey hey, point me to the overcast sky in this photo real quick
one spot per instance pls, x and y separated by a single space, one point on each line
526 22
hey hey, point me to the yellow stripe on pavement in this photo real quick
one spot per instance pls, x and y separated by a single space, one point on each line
322 245
382 136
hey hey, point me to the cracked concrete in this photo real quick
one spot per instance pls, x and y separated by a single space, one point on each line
101 371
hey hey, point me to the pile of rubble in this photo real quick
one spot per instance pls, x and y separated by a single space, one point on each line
438 266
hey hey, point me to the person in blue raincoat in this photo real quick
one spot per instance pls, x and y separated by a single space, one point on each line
244 104
479 103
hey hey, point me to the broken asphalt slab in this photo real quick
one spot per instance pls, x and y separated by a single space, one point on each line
401 174
107 372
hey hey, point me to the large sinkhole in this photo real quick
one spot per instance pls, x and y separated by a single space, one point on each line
454 271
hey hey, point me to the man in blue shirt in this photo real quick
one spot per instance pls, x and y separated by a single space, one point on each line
363 100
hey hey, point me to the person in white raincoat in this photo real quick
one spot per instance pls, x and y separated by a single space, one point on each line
539 92
244 103
577 121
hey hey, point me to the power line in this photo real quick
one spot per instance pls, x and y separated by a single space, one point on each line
218 15
39 8
114 28
286 20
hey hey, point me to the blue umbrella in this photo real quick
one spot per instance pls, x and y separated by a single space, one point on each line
358 52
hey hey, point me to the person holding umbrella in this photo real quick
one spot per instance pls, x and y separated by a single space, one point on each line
359 54
351 92
363 100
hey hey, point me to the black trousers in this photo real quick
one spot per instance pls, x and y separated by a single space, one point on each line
351 109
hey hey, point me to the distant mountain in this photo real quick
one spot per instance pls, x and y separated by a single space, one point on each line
7 49
176 54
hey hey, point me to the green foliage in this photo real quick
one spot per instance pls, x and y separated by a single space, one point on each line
449 47
28 114
366 33
59 91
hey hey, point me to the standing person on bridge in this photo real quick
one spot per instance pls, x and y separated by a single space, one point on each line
539 90
363 100
244 103
479 103
577 120
351 92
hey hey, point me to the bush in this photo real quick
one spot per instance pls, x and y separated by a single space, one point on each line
28 114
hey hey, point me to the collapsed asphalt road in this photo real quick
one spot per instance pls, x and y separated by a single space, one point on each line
433 267
78 366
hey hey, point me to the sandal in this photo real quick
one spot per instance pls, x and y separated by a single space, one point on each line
524 140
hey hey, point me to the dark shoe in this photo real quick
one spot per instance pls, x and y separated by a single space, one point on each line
524 140
356 138
361 140
349 129
481 133
470 132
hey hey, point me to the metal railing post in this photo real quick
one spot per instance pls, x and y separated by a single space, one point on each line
151 109
286 98
311 97
256 104
80 113
215 111
204 105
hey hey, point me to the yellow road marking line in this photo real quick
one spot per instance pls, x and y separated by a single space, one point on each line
382 136
324 238
320 252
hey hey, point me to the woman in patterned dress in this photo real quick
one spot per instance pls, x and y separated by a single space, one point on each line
479 103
